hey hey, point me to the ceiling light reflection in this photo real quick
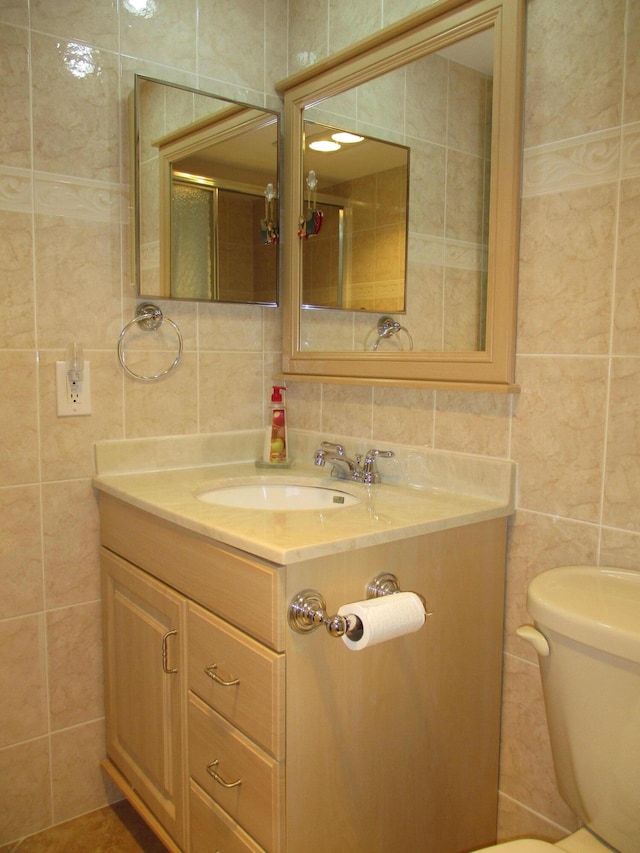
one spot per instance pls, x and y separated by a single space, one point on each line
141 8
81 60
346 137
324 145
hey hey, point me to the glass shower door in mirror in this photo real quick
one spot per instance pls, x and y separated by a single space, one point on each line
206 191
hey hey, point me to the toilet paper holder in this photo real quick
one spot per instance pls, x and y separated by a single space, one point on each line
308 609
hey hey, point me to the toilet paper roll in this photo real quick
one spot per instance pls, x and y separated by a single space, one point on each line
384 618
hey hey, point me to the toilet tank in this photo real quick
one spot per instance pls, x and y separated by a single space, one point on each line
591 681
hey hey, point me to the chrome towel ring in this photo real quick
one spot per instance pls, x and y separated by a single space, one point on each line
386 328
149 318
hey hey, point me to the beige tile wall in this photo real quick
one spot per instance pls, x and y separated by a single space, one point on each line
574 429
66 70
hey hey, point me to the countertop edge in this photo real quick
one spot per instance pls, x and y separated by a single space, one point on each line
261 539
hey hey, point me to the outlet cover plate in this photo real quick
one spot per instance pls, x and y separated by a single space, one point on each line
69 405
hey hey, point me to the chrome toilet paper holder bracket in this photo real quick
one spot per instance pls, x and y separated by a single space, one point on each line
308 609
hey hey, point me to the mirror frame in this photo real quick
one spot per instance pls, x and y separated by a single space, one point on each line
432 29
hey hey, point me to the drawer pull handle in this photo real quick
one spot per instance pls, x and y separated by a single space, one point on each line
165 653
212 772
211 672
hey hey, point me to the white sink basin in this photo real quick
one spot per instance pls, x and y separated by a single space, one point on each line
277 496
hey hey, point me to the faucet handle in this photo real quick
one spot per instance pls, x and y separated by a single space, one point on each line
339 449
373 454
371 475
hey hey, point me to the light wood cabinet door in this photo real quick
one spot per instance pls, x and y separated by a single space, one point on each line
145 688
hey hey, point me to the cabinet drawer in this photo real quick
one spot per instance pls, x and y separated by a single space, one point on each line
255 703
213 829
256 802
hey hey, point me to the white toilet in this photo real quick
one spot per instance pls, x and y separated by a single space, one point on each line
587 636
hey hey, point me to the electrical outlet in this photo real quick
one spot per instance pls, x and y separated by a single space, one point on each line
73 398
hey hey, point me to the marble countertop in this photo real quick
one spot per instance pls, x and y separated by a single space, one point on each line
385 512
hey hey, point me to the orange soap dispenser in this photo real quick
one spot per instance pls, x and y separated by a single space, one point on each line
276 445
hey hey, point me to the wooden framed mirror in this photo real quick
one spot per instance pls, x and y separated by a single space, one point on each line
446 84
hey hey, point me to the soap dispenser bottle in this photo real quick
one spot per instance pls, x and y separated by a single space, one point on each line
276 445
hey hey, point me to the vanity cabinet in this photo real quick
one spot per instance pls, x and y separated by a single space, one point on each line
194 704
394 747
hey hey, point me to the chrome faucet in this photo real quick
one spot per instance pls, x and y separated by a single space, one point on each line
360 472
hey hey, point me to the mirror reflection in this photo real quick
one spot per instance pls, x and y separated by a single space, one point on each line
438 108
206 196
354 221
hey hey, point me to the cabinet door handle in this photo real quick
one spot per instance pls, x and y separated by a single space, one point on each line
212 772
211 672
165 653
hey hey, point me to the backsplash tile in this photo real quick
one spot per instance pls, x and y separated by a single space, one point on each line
404 415
411 466
473 423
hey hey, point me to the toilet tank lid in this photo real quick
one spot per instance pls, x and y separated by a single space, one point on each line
595 605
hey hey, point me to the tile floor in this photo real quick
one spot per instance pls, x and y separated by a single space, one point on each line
114 829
